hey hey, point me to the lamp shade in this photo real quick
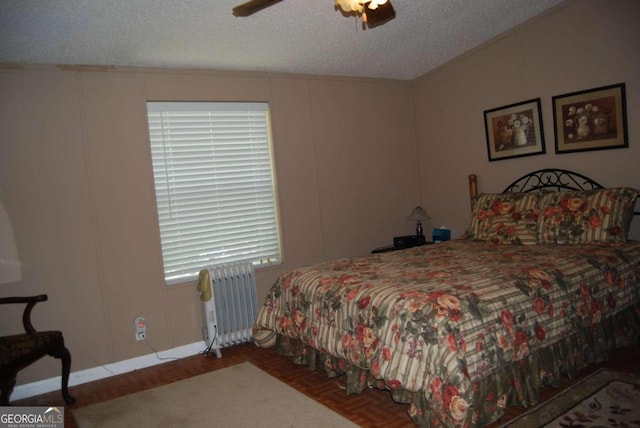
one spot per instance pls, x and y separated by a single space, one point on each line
418 214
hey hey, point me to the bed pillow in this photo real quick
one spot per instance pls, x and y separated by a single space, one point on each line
505 218
505 229
577 217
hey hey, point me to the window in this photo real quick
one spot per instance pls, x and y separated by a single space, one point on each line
213 174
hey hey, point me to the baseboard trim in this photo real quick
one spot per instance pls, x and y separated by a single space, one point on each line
107 370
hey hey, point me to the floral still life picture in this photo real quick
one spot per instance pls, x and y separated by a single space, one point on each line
594 119
514 130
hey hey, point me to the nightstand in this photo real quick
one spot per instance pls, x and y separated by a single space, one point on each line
394 248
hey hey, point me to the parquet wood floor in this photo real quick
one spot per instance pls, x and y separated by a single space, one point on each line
373 408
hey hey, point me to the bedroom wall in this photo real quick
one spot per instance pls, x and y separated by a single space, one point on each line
582 45
76 178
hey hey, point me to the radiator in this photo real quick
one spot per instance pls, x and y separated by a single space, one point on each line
229 305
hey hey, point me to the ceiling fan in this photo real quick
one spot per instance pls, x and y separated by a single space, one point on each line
253 6
373 12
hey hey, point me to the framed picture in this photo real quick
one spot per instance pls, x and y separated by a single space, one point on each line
595 119
515 130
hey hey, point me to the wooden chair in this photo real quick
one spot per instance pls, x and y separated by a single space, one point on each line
20 350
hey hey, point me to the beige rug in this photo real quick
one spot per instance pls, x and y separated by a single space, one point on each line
606 398
236 396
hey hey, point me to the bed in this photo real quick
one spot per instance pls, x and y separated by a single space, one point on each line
543 282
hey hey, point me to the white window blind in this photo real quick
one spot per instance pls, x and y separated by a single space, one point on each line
214 185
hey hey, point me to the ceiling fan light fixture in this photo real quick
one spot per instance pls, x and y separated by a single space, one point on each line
373 5
358 5
380 11
350 6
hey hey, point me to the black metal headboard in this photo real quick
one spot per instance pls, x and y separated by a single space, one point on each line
553 180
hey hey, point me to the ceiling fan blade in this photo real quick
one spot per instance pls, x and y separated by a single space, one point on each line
251 7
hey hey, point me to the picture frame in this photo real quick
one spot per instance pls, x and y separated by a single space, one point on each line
514 130
593 119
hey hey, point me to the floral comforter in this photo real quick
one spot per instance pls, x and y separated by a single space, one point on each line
461 329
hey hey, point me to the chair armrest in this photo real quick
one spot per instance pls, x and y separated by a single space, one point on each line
26 315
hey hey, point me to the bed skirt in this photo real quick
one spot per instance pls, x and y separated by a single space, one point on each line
517 384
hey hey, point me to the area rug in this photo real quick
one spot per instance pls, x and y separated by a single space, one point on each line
236 396
606 398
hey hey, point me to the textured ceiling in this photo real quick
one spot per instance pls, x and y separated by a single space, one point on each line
293 36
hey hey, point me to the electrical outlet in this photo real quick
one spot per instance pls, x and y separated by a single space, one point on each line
140 326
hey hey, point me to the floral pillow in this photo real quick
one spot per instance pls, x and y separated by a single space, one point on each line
504 218
586 216
505 229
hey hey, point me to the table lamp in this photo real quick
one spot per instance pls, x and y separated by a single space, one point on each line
419 215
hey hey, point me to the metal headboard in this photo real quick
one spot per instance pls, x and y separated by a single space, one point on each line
552 179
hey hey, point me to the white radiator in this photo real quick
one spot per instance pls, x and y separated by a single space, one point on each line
229 304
